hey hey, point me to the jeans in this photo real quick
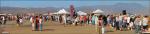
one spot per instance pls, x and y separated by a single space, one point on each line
120 24
117 25
93 22
137 28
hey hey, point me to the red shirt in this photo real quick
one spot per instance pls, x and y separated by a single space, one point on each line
37 21
81 18
85 18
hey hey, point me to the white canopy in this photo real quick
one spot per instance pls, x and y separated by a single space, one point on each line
97 11
2 14
9 14
81 13
63 11
53 13
45 14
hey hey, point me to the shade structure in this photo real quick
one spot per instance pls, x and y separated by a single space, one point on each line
45 14
98 11
53 13
3 14
81 13
62 11
9 14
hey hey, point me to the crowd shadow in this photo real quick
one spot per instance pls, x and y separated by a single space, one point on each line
48 29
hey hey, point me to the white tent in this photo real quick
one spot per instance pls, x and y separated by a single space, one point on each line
97 11
63 11
53 13
45 14
9 14
81 13
3 14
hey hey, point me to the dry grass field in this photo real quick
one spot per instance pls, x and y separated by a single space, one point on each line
54 28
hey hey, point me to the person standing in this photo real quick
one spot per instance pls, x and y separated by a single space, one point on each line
120 22
32 22
90 19
18 22
128 22
60 19
137 24
131 22
76 21
101 25
117 22
93 19
64 19
84 19
40 23
4 20
97 23
81 20
37 23
21 21
125 22
145 23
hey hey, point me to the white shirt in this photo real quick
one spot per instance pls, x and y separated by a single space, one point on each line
128 19
3 18
145 21
64 18
40 20
120 17
138 21
31 19
76 19
117 18
20 20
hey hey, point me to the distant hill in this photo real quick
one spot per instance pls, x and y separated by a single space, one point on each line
26 10
117 8
108 9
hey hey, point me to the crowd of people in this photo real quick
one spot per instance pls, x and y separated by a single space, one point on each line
108 22
36 23
120 22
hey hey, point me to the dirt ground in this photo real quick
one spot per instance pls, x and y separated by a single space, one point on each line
54 28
